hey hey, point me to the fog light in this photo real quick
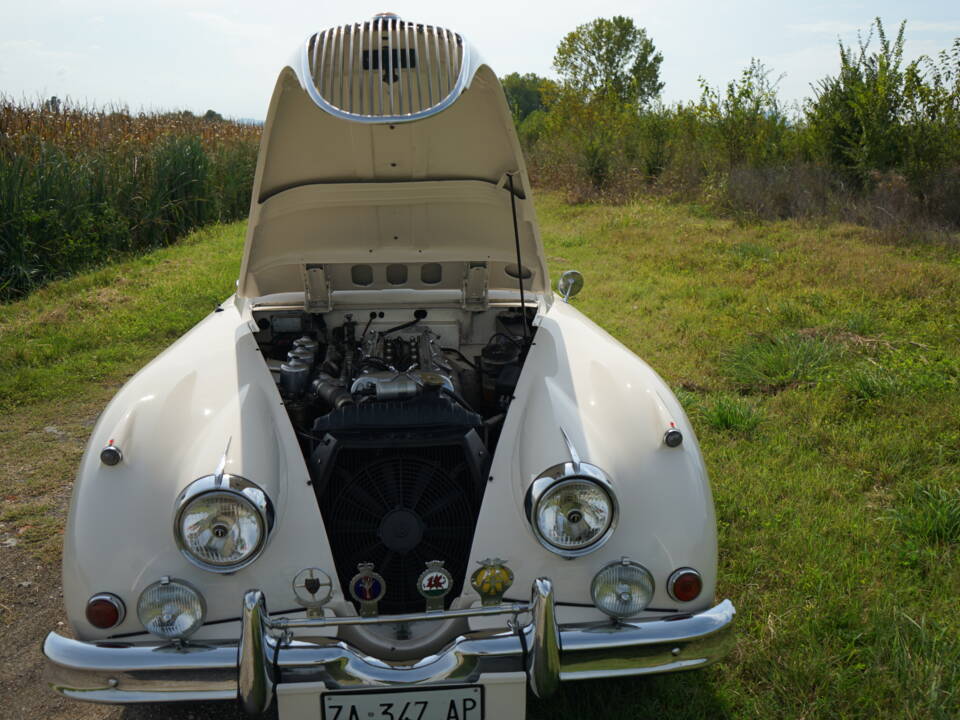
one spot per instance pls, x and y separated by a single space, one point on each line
685 584
171 609
622 589
105 610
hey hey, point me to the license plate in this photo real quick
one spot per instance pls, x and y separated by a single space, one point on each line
463 702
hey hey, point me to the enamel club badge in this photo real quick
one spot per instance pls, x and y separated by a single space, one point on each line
434 584
492 580
312 588
368 589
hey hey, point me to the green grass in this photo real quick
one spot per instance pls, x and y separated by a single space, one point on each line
819 365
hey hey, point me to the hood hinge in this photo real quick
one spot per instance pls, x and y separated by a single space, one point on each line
316 290
475 288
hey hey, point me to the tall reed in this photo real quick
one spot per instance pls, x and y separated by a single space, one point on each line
79 185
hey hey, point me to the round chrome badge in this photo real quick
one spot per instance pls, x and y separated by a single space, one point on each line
434 584
312 587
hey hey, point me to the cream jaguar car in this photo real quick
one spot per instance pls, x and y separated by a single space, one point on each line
395 475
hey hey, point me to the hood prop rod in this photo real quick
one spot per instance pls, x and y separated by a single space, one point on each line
516 237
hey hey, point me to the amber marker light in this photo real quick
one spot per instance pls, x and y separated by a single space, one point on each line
685 585
105 610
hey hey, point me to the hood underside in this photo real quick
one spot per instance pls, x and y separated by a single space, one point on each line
412 183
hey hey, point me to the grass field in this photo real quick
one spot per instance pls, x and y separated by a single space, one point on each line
820 366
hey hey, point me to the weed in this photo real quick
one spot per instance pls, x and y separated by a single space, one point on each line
869 382
767 364
930 513
724 412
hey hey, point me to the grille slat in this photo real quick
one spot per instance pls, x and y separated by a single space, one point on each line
436 55
409 74
350 66
353 37
340 62
446 50
318 72
390 31
376 51
368 76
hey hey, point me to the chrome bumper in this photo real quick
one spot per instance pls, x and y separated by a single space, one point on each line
267 655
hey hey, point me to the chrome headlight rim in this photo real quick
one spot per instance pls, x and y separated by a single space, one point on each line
245 490
564 473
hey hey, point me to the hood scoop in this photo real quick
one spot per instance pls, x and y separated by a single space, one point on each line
386 68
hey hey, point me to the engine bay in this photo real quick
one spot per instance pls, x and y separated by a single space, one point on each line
398 414
336 369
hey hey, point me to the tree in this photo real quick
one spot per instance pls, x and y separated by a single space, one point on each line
610 57
525 93
212 115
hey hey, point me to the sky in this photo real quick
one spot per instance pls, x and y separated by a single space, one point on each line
225 54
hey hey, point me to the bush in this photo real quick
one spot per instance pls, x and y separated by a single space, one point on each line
878 144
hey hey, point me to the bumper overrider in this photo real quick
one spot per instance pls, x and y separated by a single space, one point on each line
268 654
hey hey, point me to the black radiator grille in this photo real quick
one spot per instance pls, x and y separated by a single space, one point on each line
399 507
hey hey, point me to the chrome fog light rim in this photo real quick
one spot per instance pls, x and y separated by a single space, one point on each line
163 593
558 475
244 491
641 586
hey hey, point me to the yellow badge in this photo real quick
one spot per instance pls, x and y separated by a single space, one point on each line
492 580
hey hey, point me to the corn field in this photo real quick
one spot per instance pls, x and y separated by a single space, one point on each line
78 186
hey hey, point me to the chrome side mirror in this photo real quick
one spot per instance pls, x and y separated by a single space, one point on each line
569 284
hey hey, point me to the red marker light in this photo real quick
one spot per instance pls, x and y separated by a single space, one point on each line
105 611
685 585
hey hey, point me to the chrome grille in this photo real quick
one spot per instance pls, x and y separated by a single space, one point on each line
386 67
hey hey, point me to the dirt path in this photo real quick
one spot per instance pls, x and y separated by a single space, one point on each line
38 457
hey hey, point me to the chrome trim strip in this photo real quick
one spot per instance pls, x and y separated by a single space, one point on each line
571 448
158 672
321 622
222 465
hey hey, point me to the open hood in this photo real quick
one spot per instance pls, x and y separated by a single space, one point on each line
385 163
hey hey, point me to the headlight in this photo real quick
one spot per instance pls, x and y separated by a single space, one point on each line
171 609
221 524
572 515
622 589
